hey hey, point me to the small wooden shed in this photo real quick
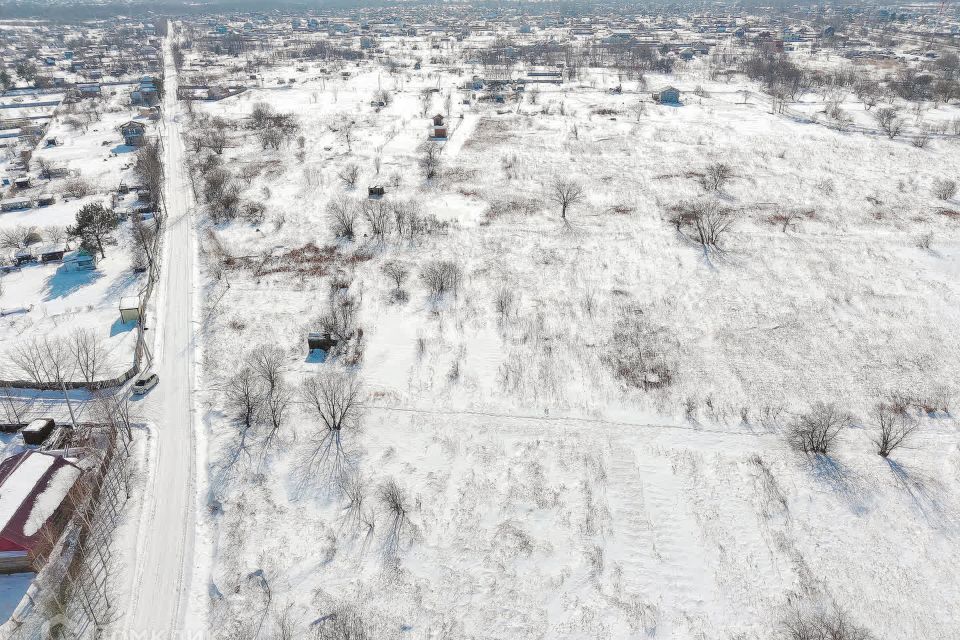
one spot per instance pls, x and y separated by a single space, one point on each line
667 95
321 341
37 432
129 309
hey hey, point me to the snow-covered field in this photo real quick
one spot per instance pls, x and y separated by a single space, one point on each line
549 492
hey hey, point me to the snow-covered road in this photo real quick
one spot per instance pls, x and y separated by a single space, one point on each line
164 559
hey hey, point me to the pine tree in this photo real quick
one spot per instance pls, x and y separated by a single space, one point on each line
94 224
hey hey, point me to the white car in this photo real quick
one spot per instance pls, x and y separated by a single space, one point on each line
144 383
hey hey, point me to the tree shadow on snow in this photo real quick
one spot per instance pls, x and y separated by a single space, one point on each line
62 283
925 493
842 480
120 285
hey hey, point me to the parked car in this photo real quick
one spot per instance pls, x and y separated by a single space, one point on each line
144 383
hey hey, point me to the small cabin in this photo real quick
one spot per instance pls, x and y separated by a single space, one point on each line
375 192
46 199
80 260
37 432
24 256
15 204
129 309
668 95
320 341
52 252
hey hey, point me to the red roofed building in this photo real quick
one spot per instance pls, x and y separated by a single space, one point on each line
33 488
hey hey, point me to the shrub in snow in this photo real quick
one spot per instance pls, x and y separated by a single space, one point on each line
835 624
706 222
893 428
817 430
944 189
640 353
343 623
441 277
716 176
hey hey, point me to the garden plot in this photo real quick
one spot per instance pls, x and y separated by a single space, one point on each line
52 300
579 434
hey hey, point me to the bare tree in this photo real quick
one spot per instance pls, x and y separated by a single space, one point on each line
889 121
44 360
893 429
504 301
149 167
353 487
335 397
441 277
395 502
215 139
430 160
116 411
565 194
15 408
343 217
47 362
344 131
704 221
379 216
349 174
817 430
18 237
922 138
340 320
88 351
145 239
716 176
244 394
267 361
397 272
277 404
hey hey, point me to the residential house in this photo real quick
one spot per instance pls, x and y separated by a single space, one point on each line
134 133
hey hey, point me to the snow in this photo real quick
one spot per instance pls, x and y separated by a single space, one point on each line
548 498
19 484
53 494
161 597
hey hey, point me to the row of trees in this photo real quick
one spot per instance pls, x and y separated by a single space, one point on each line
384 218
817 431
48 361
